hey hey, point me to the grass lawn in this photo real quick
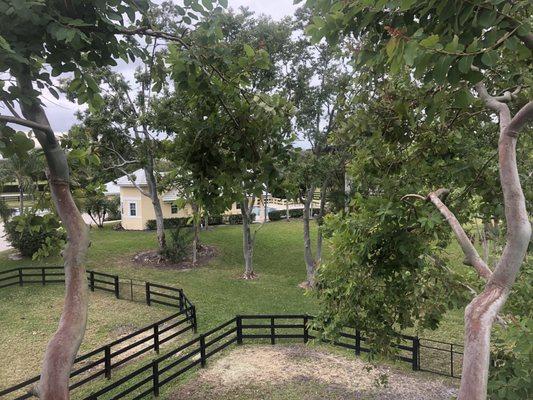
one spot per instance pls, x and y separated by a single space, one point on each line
29 316
216 289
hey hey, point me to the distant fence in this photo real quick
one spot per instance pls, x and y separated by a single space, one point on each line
101 361
148 379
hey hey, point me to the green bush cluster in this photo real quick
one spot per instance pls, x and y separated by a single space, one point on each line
34 235
276 215
177 244
236 219
169 223
215 219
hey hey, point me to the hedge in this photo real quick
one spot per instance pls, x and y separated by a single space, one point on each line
169 223
276 215
236 219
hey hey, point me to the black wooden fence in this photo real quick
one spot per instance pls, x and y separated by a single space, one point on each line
101 361
151 377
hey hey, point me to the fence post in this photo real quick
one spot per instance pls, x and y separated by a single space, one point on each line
107 361
148 293
156 338
43 276
194 320
117 287
357 342
202 350
272 331
416 349
239 329
306 330
451 358
155 377
181 299
91 280
21 281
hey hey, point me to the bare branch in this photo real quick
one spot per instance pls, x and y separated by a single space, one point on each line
27 123
522 117
132 180
11 108
471 255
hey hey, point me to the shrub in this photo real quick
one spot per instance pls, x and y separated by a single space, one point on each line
276 215
113 209
236 219
215 219
169 223
34 235
177 244
296 213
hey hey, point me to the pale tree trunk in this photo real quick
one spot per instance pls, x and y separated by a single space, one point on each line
248 242
320 220
63 347
310 264
154 197
196 235
483 309
21 195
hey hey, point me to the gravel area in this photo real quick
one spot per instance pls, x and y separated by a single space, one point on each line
303 372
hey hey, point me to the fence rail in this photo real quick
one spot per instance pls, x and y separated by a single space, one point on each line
101 361
148 379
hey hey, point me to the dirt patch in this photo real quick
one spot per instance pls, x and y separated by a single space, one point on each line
302 372
152 258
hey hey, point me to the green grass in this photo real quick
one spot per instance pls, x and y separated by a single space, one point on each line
29 315
216 289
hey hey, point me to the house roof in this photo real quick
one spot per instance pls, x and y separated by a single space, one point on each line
111 188
140 179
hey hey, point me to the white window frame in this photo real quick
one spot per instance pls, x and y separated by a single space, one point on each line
172 209
126 207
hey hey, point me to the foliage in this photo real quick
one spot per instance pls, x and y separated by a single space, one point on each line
5 211
236 219
113 208
178 245
276 215
169 223
383 277
214 219
34 235
98 205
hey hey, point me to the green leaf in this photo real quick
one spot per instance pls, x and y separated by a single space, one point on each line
248 50
489 58
465 64
391 46
430 42
223 3
462 99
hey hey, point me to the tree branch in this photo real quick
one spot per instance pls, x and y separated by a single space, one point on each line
522 117
27 123
471 255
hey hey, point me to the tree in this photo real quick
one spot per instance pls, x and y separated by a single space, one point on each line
317 82
41 40
27 169
480 47
240 132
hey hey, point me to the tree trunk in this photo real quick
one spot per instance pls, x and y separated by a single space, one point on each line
308 251
247 239
287 213
63 347
21 195
196 229
320 220
158 211
482 311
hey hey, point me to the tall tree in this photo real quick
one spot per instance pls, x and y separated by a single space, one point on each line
241 132
41 40
481 47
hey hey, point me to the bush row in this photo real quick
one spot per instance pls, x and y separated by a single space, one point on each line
172 223
293 213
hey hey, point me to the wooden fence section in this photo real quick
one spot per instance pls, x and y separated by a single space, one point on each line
147 380
101 361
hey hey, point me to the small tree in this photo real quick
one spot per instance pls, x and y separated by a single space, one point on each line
462 48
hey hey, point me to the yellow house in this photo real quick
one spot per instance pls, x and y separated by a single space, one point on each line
136 209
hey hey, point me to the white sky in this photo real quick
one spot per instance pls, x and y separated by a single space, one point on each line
61 113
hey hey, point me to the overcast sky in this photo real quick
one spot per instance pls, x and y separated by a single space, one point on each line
62 112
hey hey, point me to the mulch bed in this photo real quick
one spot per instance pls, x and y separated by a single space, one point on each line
152 258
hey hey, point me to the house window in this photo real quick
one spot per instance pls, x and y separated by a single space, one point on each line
173 209
133 209
238 206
